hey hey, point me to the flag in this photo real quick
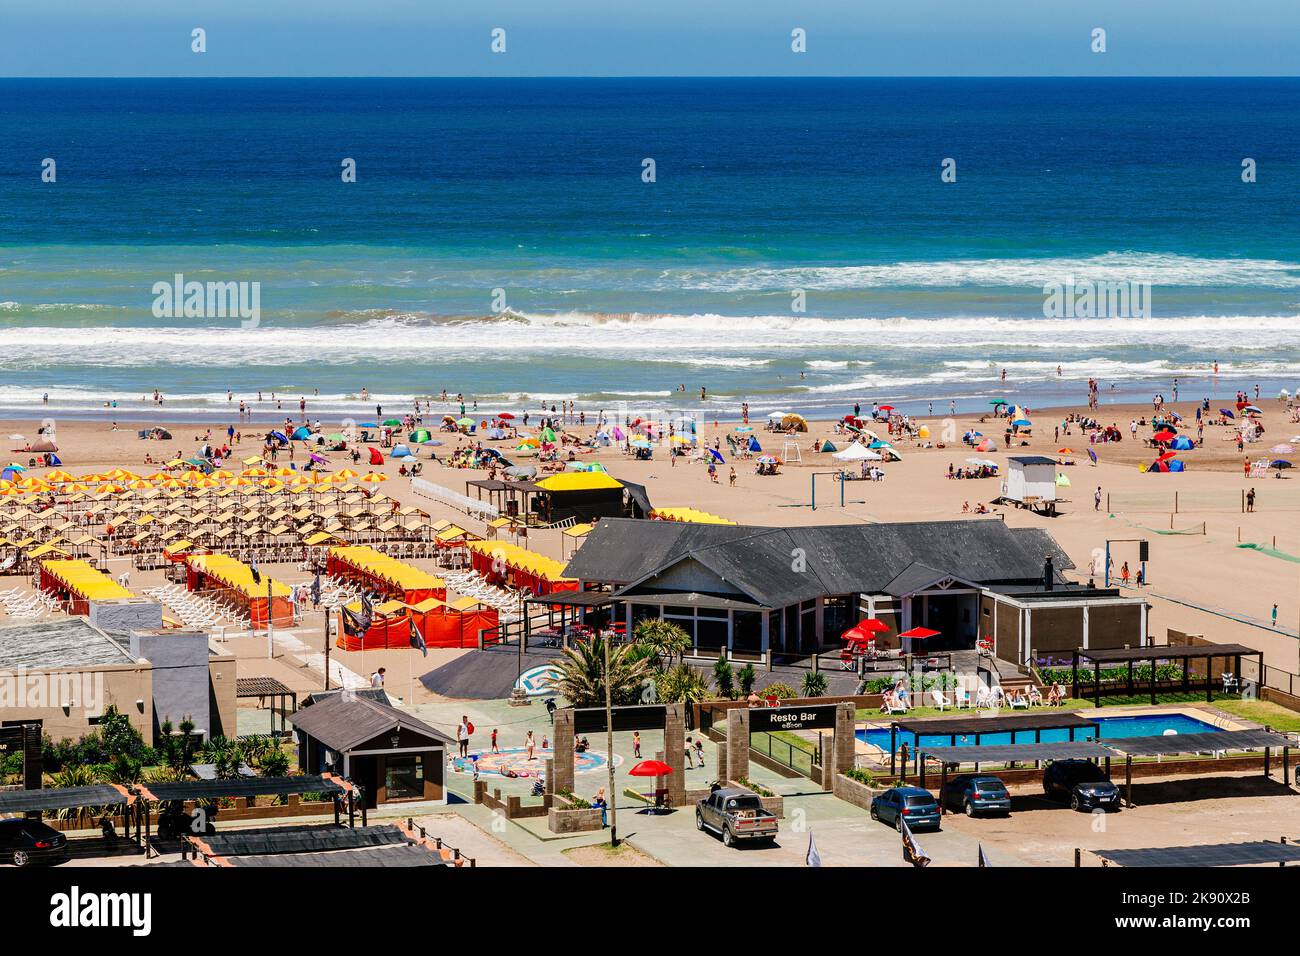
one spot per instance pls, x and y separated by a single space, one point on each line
354 624
912 852
984 857
257 577
315 589
814 858
417 639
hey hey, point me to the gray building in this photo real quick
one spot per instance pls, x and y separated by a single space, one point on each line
756 591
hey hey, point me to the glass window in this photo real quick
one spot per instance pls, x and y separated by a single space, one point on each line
404 777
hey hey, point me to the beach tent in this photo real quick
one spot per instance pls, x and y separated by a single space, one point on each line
1182 443
420 435
548 434
754 445
401 451
828 445
43 444
375 457
856 452
301 433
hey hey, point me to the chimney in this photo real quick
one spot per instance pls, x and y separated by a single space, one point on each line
1049 578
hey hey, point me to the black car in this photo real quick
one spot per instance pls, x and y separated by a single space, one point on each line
974 793
1083 783
23 842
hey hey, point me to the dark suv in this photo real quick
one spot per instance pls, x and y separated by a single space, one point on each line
1083 783
23 842
975 793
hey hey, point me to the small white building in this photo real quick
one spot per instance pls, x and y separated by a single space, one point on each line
1031 482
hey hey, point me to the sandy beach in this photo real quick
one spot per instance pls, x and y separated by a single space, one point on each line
1200 579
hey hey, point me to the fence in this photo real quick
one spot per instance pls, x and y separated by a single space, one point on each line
799 757
1184 501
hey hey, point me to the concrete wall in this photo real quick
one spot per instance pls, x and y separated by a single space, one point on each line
181 679
66 701
222 704
125 615
1053 630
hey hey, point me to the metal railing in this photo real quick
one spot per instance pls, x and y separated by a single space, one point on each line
782 750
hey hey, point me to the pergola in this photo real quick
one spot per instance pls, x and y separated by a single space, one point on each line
570 604
263 687
1164 652
1262 852
1011 753
1174 745
977 727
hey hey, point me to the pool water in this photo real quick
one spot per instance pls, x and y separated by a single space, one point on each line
1108 728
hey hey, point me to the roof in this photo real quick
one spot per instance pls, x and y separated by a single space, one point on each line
1032 460
1163 652
84 579
915 577
993 725
1261 853
261 687
841 559
237 787
298 839
1173 744
999 753
393 856
688 599
580 481
60 798
53 643
343 723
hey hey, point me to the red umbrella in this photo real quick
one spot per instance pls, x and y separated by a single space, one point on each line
864 629
1164 436
919 633
1167 455
650 768
886 408
505 415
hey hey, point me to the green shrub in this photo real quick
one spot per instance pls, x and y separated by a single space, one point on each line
860 775
723 678
814 684
778 690
758 788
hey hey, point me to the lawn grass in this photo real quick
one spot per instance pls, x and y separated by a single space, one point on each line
1262 712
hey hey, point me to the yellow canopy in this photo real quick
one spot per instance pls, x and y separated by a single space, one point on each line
236 575
692 515
84 580
398 573
578 530
580 481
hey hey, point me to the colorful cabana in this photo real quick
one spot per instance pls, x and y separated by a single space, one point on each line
519 567
454 624
79 582
220 572
389 576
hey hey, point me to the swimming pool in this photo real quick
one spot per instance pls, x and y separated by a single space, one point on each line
1108 728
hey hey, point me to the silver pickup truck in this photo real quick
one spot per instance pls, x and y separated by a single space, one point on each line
735 814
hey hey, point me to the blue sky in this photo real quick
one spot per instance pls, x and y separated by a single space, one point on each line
651 37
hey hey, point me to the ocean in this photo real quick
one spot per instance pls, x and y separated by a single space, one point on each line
798 248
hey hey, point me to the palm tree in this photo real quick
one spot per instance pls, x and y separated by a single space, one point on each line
581 678
814 684
682 684
666 638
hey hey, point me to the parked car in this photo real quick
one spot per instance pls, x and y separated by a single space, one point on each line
735 814
976 793
24 842
916 805
1083 783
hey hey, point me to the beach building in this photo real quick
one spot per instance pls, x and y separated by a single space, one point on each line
393 756
777 592
65 673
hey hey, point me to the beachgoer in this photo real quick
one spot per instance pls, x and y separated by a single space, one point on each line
377 679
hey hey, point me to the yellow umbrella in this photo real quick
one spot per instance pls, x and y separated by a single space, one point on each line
283 472
374 477
345 473
254 472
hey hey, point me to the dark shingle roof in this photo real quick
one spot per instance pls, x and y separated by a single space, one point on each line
764 563
344 722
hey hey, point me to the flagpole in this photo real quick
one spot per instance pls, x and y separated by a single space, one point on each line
609 751
270 623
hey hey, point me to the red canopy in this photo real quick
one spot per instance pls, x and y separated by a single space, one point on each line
1164 436
919 633
864 631
1168 455
650 768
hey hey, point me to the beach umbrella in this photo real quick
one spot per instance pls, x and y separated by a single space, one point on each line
420 435
641 443
1163 436
753 444
433 442
465 422
776 415
1167 455
717 455
521 471
744 428
1253 409
1280 463
1022 423
768 460
1065 451
548 434
650 768
374 477
506 416
919 633
998 401
393 422
1282 449
1226 413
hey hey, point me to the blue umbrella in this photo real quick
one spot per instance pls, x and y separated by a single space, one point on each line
1022 423
1226 413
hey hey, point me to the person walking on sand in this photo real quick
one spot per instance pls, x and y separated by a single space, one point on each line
1274 616
1250 501
1096 499
530 746
1123 574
